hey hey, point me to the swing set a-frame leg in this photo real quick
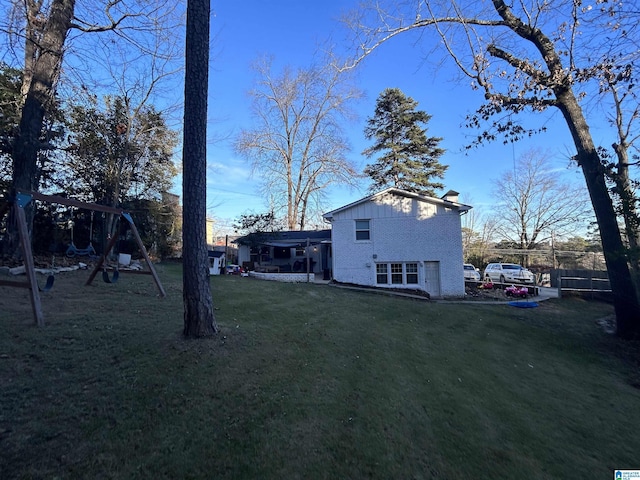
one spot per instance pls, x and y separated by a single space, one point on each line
101 260
143 251
25 243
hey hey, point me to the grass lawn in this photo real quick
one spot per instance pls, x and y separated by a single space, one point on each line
310 382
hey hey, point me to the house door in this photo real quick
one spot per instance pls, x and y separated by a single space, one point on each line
432 278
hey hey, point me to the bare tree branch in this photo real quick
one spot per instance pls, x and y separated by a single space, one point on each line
297 146
514 53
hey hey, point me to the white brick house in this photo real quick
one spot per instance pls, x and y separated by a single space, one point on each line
399 239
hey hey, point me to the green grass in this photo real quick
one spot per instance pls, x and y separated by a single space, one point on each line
309 381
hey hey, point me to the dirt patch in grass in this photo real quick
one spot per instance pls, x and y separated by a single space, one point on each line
608 324
472 293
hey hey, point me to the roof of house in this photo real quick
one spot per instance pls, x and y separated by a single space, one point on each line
216 254
289 238
461 207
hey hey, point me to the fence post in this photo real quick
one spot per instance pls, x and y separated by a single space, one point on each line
559 285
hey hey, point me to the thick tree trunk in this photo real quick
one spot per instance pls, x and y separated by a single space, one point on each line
628 208
626 304
199 318
39 83
40 93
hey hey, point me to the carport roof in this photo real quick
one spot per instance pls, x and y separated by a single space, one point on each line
291 238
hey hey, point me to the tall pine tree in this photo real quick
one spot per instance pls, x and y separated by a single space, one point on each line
199 316
408 158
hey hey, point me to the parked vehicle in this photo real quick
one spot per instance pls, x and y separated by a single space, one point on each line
508 273
471 273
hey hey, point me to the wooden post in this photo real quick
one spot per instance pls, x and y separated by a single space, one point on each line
308 260
559 285
25 243
156 279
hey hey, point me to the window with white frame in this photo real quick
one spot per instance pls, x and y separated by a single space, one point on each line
363 231
411 271
381 273
397 273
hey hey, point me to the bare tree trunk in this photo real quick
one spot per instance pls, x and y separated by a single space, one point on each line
626 303
31 44
41 76
624 294
199 318
298 145
40 93
303 211
629 211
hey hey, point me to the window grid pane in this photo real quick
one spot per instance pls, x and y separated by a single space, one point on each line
381 273
412 273
396 273
362 230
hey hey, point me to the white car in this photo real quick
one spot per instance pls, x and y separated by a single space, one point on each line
471 273
508 273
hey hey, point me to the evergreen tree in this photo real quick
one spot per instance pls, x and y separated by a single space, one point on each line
409 159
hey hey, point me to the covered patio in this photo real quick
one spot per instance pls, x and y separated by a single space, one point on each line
286 252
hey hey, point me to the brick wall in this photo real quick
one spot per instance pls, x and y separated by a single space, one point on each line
283 277
403 235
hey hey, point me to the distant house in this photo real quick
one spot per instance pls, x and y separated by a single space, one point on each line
286 252
217 262
398 239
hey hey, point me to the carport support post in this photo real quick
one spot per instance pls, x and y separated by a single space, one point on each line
308 260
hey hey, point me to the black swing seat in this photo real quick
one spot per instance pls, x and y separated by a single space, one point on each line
108 279
49 285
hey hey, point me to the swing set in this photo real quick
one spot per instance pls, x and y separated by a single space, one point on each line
21 200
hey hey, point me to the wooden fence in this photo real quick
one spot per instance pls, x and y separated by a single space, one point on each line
580 281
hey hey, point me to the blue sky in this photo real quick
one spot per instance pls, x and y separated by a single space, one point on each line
291 31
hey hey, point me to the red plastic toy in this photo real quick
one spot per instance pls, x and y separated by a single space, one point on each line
513 291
